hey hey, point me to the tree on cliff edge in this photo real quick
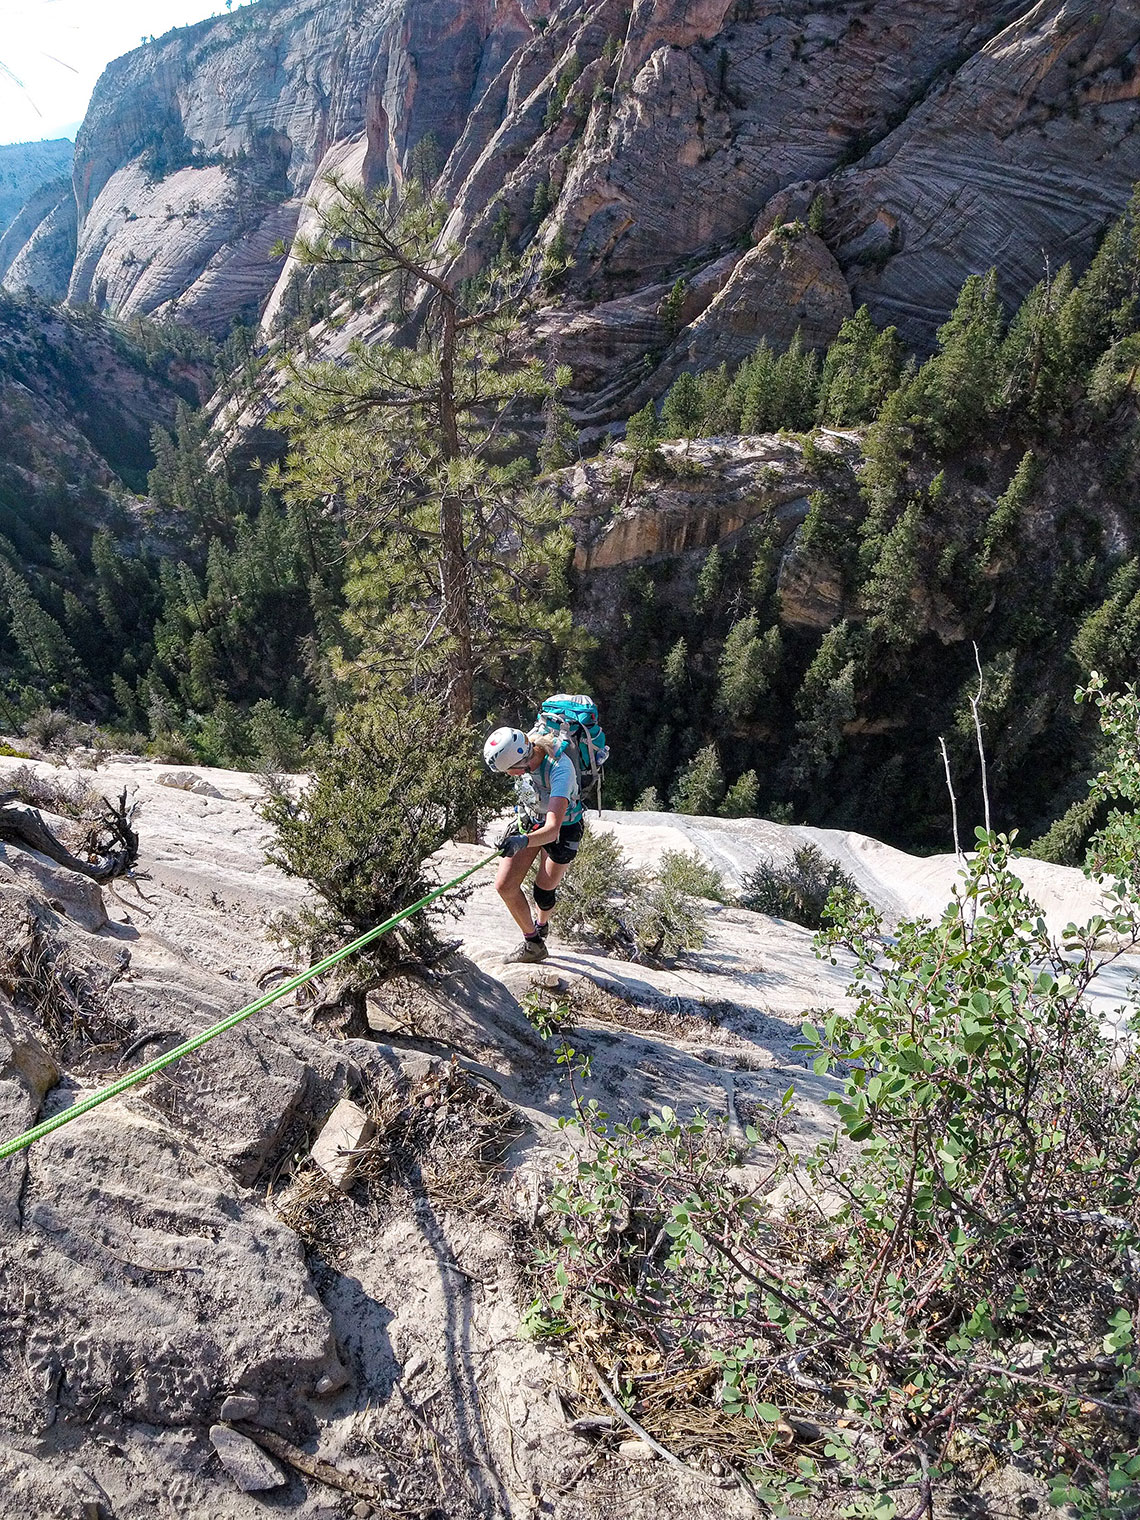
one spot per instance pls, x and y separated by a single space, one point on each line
450 551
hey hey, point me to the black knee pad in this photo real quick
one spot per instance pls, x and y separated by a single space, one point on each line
545 898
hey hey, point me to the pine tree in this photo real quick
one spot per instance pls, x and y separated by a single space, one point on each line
963 385
709 580
754 384
559 446
1037 356
1009 509
748 662
675 670
641 434
182 481
51 660
795 379
719 416
824 703
742 799
1108 640
683 412
887 448
398 437
1102 307
673 306
700 785
860 370
888 592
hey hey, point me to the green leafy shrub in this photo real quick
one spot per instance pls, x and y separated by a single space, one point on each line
798 889
386 792
641 915
1114 850
967 1297
685 871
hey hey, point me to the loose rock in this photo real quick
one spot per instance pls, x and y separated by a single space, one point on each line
250 1467
637 1451
240 1406
345 1130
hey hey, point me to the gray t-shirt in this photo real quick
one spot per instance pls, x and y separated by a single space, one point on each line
552 778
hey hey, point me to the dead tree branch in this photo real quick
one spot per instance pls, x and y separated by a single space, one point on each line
115 844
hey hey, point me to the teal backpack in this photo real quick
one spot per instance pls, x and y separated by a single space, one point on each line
574 720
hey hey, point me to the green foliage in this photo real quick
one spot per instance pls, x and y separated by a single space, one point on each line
399 437
643 915
1109 638
960 387
673 306
742 800
425 162
1065 842
685 871
798 889
182 481
41 641
967 1249
675 670
700 785
561 91
642 432
1114 850
778 391
1010 507
682 412
748 662
890 589
709 580
860 370
769 391
824 703
559 446
391 786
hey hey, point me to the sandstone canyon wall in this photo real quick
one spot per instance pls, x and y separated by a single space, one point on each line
24 168
655 142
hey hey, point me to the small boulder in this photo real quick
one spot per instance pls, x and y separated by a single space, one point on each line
251 1468
187 781
240 1406
345 1130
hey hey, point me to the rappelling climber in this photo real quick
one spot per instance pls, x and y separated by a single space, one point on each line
549 823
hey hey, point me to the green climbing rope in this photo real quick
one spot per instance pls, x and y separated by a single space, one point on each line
85 1105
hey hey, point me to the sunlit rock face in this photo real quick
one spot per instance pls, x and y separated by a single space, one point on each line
923 141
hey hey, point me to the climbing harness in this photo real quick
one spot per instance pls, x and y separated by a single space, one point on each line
85 1105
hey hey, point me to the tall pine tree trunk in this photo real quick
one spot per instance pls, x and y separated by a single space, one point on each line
453 550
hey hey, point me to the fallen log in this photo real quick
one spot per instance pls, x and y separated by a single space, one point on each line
114 843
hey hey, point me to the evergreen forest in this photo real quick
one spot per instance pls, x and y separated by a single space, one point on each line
982 537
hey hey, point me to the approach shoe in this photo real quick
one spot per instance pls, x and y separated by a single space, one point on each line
532 949
540 931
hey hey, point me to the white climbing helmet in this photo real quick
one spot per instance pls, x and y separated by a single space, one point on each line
504 748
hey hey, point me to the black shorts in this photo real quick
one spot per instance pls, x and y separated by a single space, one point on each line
565 847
